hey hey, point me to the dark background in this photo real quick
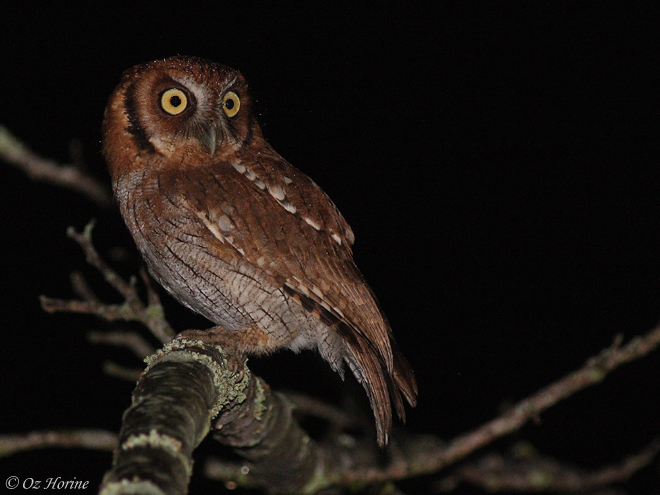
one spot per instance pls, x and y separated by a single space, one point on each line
498 163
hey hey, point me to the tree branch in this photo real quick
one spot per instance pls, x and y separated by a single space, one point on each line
183 388
281 458
133 309
356 464
85 439
535 473
428 455
130 340
173 403
16 153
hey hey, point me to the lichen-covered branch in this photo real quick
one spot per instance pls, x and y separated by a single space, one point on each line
184 387
281 458
16 153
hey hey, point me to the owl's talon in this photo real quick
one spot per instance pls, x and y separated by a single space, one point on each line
236 364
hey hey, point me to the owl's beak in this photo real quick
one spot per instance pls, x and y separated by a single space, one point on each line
210 138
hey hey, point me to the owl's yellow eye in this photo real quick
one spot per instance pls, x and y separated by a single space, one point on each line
174 101
231 103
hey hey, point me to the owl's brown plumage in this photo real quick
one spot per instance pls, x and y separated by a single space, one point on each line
236 233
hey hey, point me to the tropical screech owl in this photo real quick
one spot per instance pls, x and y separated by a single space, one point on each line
237 234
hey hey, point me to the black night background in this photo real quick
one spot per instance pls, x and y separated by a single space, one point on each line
497 161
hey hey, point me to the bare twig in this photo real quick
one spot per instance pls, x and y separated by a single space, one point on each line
498 473
115 370
311 406
131 340
84 240
86 439
133 309
82 288
16 153
593 372
426 455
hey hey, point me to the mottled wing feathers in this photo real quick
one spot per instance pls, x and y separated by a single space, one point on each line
293 241
317 268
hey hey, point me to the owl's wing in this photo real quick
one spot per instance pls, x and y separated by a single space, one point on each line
279 220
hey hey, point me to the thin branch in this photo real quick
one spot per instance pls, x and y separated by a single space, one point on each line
133 309
84 240
85 439
426 455
130 340
16 153
593 372
81 287
497 473
311 406
115 370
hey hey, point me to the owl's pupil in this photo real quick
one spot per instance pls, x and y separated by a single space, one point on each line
229 104
175 101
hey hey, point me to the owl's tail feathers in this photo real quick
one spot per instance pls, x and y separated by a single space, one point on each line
381 369
402 382
382 388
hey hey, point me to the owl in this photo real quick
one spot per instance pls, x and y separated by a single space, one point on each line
237 234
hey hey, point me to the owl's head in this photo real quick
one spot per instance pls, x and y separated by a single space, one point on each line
177 107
